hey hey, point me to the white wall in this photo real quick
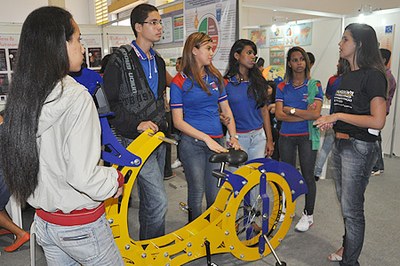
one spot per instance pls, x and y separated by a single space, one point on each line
15 11
82 11
325 38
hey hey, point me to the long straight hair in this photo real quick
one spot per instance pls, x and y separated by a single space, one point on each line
190 67
42 61
258 85
289 70
367 52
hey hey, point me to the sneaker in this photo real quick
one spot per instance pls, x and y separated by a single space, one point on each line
316 178
306 221
176 164
376 172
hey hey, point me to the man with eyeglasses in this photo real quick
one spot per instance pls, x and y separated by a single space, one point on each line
135 81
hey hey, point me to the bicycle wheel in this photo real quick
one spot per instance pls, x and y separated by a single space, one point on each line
248 216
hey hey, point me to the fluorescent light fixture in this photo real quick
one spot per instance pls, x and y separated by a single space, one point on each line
251 27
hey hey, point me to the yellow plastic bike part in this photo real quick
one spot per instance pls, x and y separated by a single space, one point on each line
222 225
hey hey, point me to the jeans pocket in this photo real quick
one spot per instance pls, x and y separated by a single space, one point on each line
361 147
80 244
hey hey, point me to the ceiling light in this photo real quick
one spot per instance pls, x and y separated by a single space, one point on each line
365 10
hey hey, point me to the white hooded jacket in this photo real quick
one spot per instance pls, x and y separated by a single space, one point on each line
69 149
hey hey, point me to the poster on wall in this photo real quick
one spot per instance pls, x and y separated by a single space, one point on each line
9 41
291 35
276 70
95 56
385 36
170 45
170 55
12 55
172 29
91 40
298 35
178 28
277 57
114 41
217 18
8 55
93 44
3 62
259 37
167 35
4 83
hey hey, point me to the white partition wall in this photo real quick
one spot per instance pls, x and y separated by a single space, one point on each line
16 11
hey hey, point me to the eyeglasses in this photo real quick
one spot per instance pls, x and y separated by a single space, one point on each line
153 22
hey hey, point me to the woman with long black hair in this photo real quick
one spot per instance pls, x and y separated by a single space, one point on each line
359 113
51 139
247 92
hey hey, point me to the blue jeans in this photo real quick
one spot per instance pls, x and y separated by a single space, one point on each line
198 172
152 195
287 150
352 164
89 244
253 143
324 152
379 163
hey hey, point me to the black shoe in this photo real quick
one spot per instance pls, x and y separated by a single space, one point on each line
170 176
316 178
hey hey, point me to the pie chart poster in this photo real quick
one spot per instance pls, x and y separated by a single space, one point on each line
217 18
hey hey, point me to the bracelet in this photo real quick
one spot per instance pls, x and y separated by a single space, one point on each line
235 136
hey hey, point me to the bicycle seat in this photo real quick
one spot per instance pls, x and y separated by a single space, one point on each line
233 157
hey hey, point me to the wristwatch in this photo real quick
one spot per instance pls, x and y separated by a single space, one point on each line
235 136
292 111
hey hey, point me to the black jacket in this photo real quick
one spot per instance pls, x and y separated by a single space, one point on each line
131 99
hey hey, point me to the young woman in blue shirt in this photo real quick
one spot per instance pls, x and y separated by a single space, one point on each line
297 102
247 92
197 94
